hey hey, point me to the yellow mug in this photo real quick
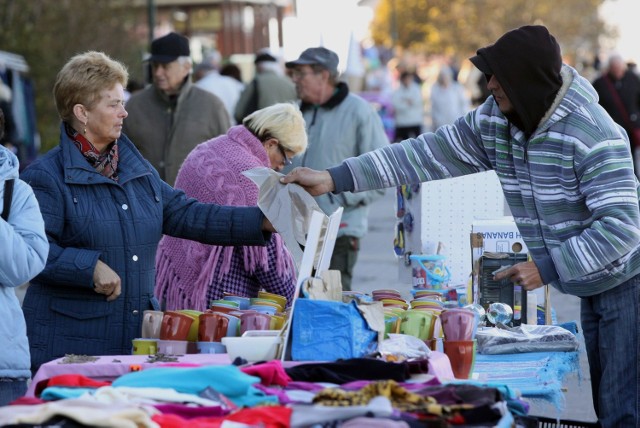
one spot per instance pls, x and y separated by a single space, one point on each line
145 346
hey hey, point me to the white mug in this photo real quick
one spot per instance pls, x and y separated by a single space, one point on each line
151 324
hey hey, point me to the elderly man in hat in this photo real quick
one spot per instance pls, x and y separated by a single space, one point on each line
171 117
340 125
269 86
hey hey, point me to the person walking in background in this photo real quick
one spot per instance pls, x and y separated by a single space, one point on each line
170 117
190 274
408 107
619 93
226 88
23 256
567 175
233 71
448 99
268 87
340 125
105 209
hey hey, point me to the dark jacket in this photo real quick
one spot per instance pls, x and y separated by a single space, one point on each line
628 90
89 217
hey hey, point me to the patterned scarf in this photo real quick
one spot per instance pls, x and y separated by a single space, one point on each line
104 163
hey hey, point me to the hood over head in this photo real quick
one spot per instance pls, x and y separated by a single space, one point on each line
526 62
8 164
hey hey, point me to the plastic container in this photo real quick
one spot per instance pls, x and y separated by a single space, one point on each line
253 348
211 348
172 347
429 271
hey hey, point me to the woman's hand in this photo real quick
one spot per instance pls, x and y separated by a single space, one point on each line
525 274
314 182
106 281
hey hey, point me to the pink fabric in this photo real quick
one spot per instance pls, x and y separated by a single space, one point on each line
270 373
212 174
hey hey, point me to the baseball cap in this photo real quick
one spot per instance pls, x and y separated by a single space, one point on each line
265 57
320 56
168 48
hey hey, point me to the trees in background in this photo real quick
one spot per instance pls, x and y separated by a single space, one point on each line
49 32
448 27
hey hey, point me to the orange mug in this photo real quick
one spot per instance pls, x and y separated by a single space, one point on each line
175 326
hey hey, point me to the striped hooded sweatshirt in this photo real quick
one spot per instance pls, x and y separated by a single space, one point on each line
567 175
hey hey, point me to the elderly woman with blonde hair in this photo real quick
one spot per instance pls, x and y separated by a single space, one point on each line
105 209
189 274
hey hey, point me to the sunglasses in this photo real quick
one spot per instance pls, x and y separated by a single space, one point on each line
287 161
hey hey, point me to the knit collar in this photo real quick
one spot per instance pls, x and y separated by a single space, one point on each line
342 90
250 142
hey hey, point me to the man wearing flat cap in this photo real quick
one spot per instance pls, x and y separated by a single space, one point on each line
269 86
340 125
567 174
172 116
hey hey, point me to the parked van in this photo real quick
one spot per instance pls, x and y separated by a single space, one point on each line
17 100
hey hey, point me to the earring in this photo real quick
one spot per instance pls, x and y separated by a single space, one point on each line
85 128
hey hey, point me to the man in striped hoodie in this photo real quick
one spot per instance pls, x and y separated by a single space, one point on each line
567 173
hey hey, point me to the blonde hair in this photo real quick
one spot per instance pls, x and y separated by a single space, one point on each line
283 121
83 78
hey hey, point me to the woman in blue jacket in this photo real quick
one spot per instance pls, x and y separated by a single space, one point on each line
105 209
23 255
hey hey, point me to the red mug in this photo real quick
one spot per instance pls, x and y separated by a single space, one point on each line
254 321
212 328
175 326
462 356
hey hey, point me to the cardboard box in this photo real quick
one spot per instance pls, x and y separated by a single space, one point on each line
499 235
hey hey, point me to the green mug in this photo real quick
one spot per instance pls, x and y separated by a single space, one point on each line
145 346
418 324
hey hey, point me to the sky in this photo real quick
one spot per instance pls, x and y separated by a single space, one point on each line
624 15
318 23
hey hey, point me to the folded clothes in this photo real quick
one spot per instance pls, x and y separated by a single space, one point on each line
525 338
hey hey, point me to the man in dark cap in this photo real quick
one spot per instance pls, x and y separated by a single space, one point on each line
567 175
171 117
340 125
269 86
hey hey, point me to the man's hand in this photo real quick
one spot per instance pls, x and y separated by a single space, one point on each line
525 274
314 182
106 281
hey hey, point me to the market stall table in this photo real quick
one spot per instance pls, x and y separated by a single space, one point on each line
110 367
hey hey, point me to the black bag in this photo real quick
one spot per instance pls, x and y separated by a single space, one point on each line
8 196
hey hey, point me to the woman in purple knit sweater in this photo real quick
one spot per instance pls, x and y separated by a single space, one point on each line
189 274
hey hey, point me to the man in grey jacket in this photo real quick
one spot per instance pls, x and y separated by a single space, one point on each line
269 86
340 125
171 117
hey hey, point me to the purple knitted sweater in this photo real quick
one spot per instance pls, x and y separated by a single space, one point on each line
189 274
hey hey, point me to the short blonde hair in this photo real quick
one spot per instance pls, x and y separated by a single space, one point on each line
83 78
283 121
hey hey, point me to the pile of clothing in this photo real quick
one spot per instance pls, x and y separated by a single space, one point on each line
342 393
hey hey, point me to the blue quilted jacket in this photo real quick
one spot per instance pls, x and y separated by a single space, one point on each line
89 217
